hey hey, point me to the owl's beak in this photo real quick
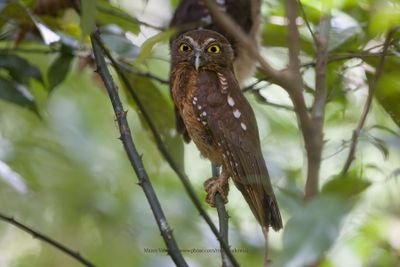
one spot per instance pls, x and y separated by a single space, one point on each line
197 61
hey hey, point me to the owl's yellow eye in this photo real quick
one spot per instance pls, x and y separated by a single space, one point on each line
214 49
185 47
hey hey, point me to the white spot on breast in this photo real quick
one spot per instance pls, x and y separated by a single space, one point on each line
231 102
204 113
199 107
220 2
194 98
204 123
244 127
237 113
198 119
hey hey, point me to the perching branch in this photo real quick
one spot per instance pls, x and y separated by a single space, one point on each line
164 151
35 234
223 218
134 158
368 103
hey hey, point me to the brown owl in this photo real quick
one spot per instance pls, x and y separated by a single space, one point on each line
193 14
220 121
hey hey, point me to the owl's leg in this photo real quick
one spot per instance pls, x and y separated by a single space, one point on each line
217 185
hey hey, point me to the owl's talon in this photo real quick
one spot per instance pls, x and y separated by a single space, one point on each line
216 185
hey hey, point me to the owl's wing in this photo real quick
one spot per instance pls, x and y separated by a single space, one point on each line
232 123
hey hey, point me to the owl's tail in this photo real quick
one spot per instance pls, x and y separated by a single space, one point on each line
257 190
264 207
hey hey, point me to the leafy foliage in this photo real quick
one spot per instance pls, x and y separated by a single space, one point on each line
65 172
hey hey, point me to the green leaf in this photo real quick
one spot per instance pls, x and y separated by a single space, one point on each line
17 94
388 93
311 231
108 14
345 30
15 11
147 46
20 69
380 145
385 15
122 46
58 71
384 129
88 17
347 186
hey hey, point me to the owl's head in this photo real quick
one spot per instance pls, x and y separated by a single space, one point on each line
202 49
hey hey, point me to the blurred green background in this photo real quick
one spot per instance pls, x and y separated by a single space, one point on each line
64 172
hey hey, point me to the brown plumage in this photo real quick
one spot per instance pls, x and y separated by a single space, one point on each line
220 121
193 14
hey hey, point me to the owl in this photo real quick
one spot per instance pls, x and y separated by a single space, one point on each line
193 14
220 121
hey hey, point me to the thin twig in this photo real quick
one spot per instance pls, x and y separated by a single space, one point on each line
223 218
164 151
307 22
149 75
340 57
261 99
29 50
134 158
35 234
368 103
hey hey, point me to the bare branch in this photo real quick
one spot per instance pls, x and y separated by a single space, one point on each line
35 234
293 41
318 111
223 218
134 157
368 103
164 151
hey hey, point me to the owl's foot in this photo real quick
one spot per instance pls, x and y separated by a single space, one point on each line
217 185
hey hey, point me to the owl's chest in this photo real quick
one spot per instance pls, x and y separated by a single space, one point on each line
195 117
196 112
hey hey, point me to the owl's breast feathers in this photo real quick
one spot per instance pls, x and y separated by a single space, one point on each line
223 126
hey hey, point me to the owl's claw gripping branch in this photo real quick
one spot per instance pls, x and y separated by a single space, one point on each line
217 185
